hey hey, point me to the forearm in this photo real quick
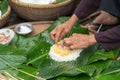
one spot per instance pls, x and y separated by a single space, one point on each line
109 39
73 19
91 39
86 7
106 19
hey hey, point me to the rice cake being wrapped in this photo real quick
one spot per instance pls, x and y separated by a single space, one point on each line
59 52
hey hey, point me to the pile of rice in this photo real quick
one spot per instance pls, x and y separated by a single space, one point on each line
38 1
60 53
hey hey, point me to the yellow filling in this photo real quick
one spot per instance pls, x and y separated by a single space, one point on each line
58 49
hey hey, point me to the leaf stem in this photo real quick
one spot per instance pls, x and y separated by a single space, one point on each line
39 78
115 71
9 75
37 58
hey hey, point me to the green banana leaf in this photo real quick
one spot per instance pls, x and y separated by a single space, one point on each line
78 77
109 77
3 6
35 49
111 73
23 73
13 60
54 69
89 72
59 1
10 56
28 69
100 55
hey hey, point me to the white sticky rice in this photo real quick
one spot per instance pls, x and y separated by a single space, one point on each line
38 1
73 55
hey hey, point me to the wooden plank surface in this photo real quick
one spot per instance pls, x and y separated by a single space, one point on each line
38 26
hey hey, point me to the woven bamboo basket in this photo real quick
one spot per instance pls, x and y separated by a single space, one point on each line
41 12
5 17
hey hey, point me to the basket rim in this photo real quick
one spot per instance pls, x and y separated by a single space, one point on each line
6 13
18 3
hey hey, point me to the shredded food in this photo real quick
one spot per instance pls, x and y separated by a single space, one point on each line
4 38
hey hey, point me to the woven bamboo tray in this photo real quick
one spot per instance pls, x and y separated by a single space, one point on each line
5 17
37 12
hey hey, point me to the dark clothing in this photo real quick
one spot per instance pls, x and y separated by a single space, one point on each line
86 7
111 6
108 39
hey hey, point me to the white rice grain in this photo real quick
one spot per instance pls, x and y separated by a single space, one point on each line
38 1
72 56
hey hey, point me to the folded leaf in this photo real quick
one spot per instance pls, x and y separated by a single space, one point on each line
100 55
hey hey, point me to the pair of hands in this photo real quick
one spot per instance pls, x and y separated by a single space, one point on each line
75 41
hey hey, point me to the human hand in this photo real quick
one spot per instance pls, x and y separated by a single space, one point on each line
64 28
77 41
60 31
93 27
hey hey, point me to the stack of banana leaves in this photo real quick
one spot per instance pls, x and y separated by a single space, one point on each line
26 58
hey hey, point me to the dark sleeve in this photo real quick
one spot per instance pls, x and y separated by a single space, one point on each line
109 39
113 7
86 7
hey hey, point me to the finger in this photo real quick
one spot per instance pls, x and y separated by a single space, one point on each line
62 34
92 30
74 34
52 35
118 58
65 31
66 39
67 42
57 36
72 47
92 27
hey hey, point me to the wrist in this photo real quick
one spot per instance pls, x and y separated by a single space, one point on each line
92 39
72 20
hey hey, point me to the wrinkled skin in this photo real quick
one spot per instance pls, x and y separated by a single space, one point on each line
63 29
60 31
77 41
104 18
